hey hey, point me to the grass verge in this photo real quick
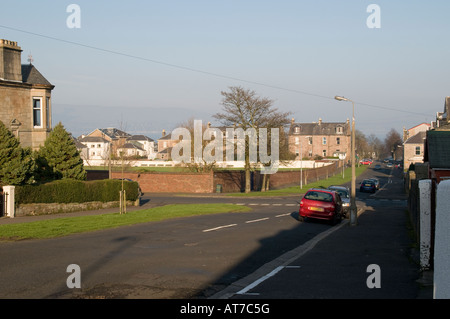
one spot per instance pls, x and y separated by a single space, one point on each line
72 225
333 180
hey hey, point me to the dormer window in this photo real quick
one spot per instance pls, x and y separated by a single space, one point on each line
339 130
297 129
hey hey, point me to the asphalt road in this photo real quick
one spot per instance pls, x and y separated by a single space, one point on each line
193 257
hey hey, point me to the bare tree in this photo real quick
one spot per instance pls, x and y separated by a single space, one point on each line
392 141
243 108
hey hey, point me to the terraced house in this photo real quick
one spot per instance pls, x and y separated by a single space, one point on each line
25 97
320 139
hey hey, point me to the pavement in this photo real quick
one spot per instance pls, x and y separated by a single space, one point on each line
373 260
333 265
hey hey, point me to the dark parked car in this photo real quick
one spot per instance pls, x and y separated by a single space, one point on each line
377 167
322 204
344 192
368 185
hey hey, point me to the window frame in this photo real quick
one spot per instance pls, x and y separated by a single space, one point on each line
41 113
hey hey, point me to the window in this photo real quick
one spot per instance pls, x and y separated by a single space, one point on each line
310 153
338 140
310 140
324 153
37 112
297 141
297 129
47 113
417 150
98 146
324 141
339 130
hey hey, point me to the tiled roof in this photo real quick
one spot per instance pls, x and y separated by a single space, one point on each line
32 76
322 128
417 139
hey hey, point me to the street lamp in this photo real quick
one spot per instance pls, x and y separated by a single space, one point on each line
353 209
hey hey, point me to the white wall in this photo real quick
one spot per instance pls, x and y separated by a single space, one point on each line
442 242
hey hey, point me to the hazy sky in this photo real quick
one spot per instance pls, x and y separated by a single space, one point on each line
170 55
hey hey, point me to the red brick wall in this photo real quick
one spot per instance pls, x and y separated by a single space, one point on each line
171 182
231 181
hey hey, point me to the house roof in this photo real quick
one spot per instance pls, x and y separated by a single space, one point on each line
93 139
112 133
419 138
437 150
140 138
32 76
319 128
131 146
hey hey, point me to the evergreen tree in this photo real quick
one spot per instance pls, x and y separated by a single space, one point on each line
60 157
17 165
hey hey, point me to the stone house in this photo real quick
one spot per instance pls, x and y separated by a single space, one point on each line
310 140
413 149
25 97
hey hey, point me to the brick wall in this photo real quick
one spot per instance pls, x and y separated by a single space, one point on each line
171 182
230 181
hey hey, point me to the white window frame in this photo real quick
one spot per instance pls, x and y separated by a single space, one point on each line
40 99
324 140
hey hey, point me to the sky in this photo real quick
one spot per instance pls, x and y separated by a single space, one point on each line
145 66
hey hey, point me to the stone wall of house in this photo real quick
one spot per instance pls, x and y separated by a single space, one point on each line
16 104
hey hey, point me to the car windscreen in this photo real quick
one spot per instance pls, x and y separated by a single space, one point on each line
320 196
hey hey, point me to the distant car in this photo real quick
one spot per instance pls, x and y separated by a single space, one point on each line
389 165
322 204
344 192
376 181
368 185
365 162
377 167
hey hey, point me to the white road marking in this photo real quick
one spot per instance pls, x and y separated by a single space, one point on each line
281 215
220 227
260 280
256 220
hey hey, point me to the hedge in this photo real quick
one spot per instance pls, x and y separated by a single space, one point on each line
74 191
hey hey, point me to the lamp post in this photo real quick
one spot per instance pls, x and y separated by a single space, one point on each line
353 209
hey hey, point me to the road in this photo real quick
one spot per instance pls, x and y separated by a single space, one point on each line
193 257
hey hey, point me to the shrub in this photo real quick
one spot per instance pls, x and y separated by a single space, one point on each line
75 191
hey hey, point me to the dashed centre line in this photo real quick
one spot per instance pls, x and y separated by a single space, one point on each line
220 227
256 220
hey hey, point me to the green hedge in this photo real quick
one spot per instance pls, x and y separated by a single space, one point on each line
74 191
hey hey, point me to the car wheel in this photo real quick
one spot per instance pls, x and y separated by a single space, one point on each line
302 219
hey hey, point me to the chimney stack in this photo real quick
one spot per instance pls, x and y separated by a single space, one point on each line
10 61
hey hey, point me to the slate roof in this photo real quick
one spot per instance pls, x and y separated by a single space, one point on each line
93 139
319 128
419 138
32 76
437 149
140 138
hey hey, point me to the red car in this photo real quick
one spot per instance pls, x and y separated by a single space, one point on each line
322 204
365 162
